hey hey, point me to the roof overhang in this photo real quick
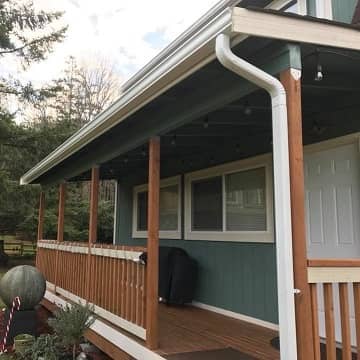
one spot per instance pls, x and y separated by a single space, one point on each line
190 52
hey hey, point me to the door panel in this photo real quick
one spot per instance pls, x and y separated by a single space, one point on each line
332 202
332 214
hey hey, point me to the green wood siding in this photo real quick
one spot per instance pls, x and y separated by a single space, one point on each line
343 10
311 7
236 276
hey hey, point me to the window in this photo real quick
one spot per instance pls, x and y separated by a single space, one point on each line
231 202
245 200
169 212
207 204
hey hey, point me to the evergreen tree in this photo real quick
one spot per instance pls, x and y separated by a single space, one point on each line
26 36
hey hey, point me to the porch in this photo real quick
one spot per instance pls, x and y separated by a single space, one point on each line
112 279
190 329
118 290
222 136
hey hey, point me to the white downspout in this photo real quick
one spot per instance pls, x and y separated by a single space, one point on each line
284 260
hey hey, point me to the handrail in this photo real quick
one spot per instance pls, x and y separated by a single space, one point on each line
334 262
94 246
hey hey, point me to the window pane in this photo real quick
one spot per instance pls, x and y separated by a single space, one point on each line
207 204
169 201
142 205
246 201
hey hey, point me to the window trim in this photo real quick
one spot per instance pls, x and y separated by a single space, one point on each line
163 234
266 236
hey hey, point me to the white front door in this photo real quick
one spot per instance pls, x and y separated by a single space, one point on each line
332 202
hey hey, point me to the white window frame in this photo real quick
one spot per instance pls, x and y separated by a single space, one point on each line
266 236
163 234
115 211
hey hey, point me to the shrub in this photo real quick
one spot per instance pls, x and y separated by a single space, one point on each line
70 324
45 346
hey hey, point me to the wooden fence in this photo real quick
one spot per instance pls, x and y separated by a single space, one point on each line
335 297
19 248
109 277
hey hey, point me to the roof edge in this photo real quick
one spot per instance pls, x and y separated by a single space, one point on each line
214 21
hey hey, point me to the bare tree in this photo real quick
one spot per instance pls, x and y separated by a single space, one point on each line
98 86
79 95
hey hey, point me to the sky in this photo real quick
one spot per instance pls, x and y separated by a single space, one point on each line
125 33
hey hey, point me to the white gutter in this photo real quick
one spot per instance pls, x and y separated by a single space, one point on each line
284 256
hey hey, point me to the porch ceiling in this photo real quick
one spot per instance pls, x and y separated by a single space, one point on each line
207 90
243 128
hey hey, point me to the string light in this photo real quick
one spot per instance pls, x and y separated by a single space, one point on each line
319 74
247 109
206 123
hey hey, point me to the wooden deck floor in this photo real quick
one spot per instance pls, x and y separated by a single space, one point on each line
187 329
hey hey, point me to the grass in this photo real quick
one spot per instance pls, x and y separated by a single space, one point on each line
2 272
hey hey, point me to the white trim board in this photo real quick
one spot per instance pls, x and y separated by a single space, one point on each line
115 223
238 316
294 29
332 143
120 340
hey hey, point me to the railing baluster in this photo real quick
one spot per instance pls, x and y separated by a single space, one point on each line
112 284
345 321
138 298
356 288
315 321
143 297
116 287
106 280
329 322
123 275
133 292
128 295
117 284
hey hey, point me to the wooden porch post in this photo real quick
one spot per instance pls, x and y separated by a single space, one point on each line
152 269
40 232
60 227
61 213
291 81
94 201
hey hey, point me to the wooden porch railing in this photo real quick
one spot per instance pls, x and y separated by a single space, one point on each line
116 280
333 283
